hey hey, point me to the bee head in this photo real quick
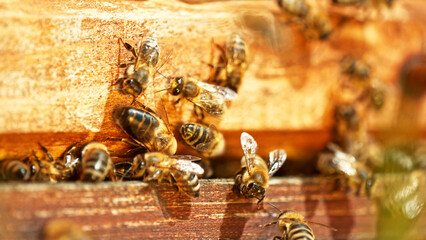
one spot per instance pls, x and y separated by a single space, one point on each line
176 86
132 87
254 190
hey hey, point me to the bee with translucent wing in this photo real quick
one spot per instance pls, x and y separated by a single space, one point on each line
179 170
252 179
232 64
209 98
141 69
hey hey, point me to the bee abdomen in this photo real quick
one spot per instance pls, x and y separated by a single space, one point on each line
299 231
13 170
95 168
200 135
187 182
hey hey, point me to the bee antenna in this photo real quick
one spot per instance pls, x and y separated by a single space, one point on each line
163 75
279 210
116 89
165 89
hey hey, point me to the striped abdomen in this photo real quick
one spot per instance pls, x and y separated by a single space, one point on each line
204 139
96 163
14 170
187 182
299 231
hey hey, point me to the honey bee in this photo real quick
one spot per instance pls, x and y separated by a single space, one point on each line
252 179
140 70
294 226
62 229
96 163
146 128
357 69
207 140
339 163
14 170
177 169
209 98
232 64
68 166
400 194
314 22
41 169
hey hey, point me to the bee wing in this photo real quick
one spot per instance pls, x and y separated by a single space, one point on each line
188 166
249 146
226 93
276 160
185 157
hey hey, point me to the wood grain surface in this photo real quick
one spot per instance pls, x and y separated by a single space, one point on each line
60 59
135 210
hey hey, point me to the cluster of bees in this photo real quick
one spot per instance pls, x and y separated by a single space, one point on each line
348 156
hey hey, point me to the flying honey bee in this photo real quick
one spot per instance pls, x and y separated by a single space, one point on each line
14 170
62 229
400 194
232 63
146 128
294 226
207 140
96 163
314 22
339 163
252 179
140 70
209 98
177 169
356 68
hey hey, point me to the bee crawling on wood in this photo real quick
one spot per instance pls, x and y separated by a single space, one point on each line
178 170
232 64
96 163
207 97
294 226
146 128
314 22
339 163
252 179
141 69
207 140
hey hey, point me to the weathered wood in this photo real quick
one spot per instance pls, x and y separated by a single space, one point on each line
62 58
133 210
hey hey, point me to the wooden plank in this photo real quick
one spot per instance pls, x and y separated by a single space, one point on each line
135 210
62 58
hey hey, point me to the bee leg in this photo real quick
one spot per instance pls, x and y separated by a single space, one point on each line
269 224
260 203
128 47
46 152
111 175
